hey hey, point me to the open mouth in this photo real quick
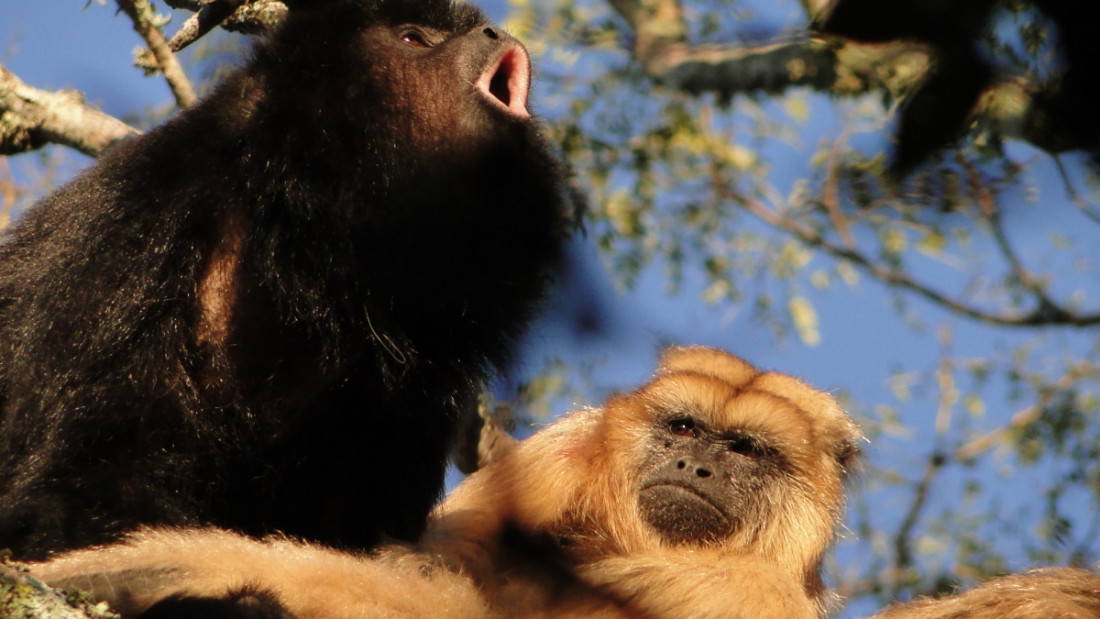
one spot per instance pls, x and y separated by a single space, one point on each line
506 82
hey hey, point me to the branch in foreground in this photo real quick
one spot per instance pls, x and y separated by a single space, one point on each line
141 14
23 596
246 16
204 20
31 118
249 16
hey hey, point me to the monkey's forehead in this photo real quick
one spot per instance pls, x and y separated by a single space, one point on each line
707 361
738 373
715 399
439 14
766 402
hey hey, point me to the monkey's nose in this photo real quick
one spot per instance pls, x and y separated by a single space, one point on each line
699 470
489 32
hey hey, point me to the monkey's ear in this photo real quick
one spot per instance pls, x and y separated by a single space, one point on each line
839 435
844 437
708 362
848 453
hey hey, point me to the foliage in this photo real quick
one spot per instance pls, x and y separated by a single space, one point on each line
779 199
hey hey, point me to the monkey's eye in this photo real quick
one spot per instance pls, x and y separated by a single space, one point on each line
684 426
745 446
414 38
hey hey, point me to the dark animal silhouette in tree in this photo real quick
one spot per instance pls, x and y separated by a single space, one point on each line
269 313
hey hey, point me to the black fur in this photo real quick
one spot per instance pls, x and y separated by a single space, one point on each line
246 603
386 233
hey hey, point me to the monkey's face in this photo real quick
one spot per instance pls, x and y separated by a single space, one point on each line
408 105
727 455
704 477
402 127
449 91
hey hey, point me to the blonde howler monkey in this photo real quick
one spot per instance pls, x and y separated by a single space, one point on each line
713 490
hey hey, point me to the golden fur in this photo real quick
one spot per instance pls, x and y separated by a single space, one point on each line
553 527
1052 593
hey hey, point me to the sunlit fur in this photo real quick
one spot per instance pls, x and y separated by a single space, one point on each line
552 527
310 580
1066 593
577 481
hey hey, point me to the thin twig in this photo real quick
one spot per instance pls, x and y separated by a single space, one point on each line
143 18
1022 418
832 190
903 556
204 20
1075 197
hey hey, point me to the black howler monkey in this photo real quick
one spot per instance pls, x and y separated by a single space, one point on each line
268 313
712 491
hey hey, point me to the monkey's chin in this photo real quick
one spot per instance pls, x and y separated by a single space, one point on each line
681 515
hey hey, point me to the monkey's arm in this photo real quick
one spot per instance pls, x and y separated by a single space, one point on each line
701 583
307 580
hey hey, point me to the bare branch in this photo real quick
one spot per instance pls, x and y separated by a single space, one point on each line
903 555
831 198
661 46
247 16
23 595
31 118
141 14
903 552
1082 205
256 16
203 21
991 212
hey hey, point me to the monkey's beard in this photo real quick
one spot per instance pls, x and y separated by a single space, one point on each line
682 515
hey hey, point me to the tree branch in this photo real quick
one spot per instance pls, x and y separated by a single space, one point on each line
141 14
832 64
660 45
903 555
31 118
1045 312
247 16
23 595
1024 417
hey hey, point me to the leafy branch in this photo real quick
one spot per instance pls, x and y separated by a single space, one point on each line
1046 311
